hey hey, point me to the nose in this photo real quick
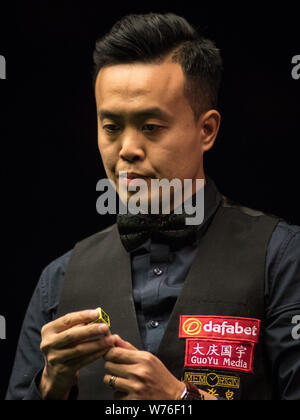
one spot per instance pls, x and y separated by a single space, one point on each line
132 148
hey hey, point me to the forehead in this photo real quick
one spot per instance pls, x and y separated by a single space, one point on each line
138 82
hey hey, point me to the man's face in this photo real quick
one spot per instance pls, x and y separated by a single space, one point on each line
146 124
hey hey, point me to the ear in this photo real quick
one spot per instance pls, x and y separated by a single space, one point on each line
209 124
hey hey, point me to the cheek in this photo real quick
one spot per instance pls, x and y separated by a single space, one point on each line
109 156
185 163
175 159
187 152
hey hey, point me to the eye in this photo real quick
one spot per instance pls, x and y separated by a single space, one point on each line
151 127
111 128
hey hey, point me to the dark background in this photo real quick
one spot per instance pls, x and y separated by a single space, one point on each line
49 158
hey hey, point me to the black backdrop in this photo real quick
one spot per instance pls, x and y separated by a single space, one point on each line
49 159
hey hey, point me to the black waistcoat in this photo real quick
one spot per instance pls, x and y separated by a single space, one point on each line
226 278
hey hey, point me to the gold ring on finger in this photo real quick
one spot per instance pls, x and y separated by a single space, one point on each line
112 382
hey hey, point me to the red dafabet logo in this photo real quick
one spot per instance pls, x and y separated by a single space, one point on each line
192 326
219 327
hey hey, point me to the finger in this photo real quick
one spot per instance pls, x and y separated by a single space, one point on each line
104 344
83 350
116 369
80 362
124 344
121 355
70 320
83 333
86 360
121 384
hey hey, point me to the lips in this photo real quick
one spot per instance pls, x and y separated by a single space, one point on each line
132 175
132 178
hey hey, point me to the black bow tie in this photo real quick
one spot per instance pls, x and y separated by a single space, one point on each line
134 230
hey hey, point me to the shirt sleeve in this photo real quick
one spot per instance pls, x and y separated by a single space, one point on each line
282 305
29 361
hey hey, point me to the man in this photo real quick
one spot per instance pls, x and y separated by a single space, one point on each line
201 312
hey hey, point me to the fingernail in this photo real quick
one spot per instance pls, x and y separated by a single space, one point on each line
94 314
110 340
102 327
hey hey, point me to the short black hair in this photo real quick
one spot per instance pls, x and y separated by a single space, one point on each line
149 38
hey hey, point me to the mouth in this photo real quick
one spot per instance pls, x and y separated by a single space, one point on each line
131 177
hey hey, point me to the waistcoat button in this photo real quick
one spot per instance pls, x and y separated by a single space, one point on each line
157 271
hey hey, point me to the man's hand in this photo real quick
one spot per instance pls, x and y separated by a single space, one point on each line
68 344
140 375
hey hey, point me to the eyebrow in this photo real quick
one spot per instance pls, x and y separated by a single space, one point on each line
150 112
